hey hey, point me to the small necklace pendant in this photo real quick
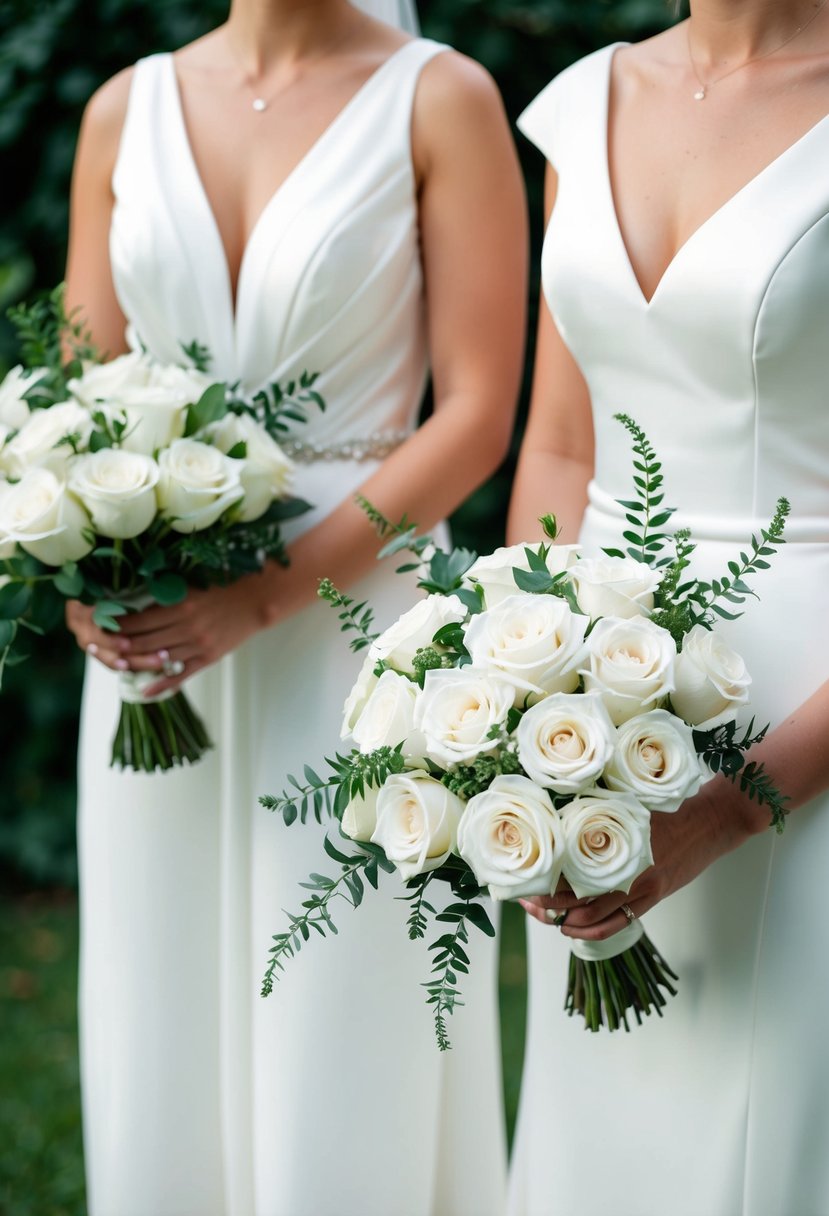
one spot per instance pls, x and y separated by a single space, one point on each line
259 104
699 95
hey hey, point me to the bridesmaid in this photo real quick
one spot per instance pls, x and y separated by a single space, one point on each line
305 187
685 269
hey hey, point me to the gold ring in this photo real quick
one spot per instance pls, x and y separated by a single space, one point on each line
631 916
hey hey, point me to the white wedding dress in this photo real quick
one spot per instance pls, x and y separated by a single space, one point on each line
330 1098
722 1107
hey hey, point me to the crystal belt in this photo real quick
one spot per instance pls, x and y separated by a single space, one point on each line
374 447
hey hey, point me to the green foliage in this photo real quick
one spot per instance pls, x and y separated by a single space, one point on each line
349 778
724 752
644 514
354 617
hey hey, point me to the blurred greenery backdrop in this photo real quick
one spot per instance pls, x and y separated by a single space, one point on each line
53 54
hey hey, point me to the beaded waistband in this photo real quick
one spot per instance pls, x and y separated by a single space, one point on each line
373 447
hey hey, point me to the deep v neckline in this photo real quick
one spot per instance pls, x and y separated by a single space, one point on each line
312 152
710 222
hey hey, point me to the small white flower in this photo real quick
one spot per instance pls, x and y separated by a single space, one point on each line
565 741
40 515
388 717
118 490
415 629
456 711
197 484
417 822
267 473
711 680
511 837
631 664
615 586
14 410
655 760
535 641
607 842
495 571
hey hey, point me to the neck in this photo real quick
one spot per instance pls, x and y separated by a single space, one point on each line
264 32
732 31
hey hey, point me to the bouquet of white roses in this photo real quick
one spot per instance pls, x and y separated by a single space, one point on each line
125 483
518 727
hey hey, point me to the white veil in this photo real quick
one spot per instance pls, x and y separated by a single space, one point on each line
402 13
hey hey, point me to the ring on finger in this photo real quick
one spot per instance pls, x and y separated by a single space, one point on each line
171 667
630 915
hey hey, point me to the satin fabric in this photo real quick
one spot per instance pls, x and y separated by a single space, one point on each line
720 1108
329 1098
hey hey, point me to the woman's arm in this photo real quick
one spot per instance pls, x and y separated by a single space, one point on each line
556 459
474 247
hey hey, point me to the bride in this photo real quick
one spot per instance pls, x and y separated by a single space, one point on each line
306 188
685 269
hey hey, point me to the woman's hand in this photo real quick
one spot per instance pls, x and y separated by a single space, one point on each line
179 640
684 844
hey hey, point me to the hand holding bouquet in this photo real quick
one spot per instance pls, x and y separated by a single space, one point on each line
124 484
512 738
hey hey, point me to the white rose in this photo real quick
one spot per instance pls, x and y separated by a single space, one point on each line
359 819
118 490
565 741
417 822
154 418
415 629
357 699
44 519
456 710
607 842
267 473
511 837
494 572
388 717
8 547
184 383
102 382
655 760
197 484
631 663
615 586
534 640
711 680
14 410
36 443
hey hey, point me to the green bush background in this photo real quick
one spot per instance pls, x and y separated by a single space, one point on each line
53 54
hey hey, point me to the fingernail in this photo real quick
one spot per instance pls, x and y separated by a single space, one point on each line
122 664
164 656
92 649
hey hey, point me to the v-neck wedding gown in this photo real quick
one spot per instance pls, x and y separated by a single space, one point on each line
722 1107
329 1098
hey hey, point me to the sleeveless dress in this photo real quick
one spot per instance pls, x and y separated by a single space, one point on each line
330 1098
722 1107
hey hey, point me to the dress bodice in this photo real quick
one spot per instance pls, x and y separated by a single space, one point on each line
726 366
330 280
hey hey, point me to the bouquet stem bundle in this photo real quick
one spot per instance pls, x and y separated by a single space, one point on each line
157 736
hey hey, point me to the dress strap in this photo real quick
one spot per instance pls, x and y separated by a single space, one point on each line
135 148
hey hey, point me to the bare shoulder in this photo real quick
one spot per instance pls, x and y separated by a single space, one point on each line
104 116
453 85
656 56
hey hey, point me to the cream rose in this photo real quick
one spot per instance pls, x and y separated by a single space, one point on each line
565 741
417 822
38 442
415 629
631 664
267 473
357 699
44 519
534 640
103 382
615 586
711 680
197 484
388 717
494 572
8 547
456 711
607 842
511 837
359 819
14 409
118 490
655 760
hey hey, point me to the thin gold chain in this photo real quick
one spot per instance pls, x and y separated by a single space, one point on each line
705 86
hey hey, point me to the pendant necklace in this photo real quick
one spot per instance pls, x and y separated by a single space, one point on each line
704 86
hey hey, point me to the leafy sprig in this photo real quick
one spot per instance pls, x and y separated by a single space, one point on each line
724 752
645 513
349 778
279 407
539 581
46 333
451 960
734 589
355 617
